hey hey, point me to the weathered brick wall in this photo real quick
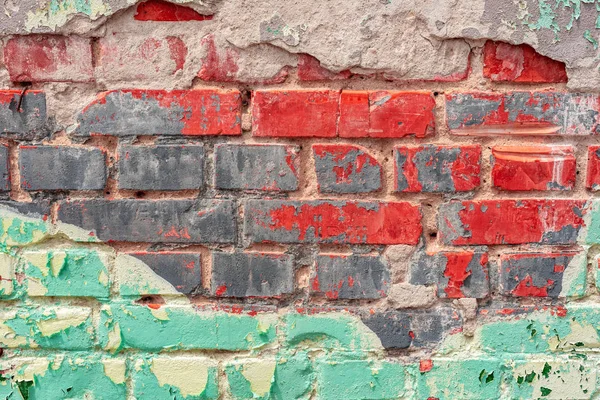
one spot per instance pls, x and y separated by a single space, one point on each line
284 231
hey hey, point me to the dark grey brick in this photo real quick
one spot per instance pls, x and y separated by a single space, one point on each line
164 167
245 275
156 221
37 209
29 121
62 168
182 270
4 169
256 167
350 277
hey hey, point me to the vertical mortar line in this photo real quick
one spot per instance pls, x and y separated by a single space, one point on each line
17 193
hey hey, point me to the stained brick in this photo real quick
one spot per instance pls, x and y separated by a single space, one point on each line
533 167
342 222
22 115
457 274
164 11
295 113
4 169
62 168
346 169
256 167
523 113
252 275
162 167
129 57
507 62
543 274
44 58
494 222
385 114
310 69
437 169
182 270
176 221
592 180
350 277
196 112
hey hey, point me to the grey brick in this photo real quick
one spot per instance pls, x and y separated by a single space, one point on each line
62 168
182 270
255 167
350 277
4 169
164 167
27 122
156 221
245 275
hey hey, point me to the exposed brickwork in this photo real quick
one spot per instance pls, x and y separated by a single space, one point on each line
22 114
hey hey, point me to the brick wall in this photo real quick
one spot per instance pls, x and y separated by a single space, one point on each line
298 233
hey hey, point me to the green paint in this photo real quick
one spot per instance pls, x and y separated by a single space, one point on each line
70 272
458 378
16 230
588 35
170 328
359 379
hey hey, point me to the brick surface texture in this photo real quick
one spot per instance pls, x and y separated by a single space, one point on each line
185 218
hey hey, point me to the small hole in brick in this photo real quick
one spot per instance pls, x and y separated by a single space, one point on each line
107 192
140 194
151 300
433 235
577 172
436 94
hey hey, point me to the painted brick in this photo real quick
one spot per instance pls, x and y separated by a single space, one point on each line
196 112
493 222
522 113
360 379
159 327
8 277
129 57
162 167
256 167
182 270
533 167
386 114
295 113
507 62
592 180
543 274
310 69
45 58
26 121
350 277
479 378
341 222
166 377
251 275
346 169
155 221
437 169
4 169
64 328
23 224
71 272
164 11
401 330
62 168
457 274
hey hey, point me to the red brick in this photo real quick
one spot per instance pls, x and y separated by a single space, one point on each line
158 10
310 69
436 169
197 112
523 113
44 58
506 62
495 222
384 114
592 180
340 222
131 57
294 113
533 167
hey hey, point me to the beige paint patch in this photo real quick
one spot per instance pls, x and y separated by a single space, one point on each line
585 334
65 318
57 262
7 273
160 313
30 368
38 260
570 383
186 374
260 376
114 338
133 273
574 275
115 370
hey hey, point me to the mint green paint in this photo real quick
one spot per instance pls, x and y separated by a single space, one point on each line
15 231
79 273
146 386
359 379
9 390
451 379
171 328
591 235
588 35
82 6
